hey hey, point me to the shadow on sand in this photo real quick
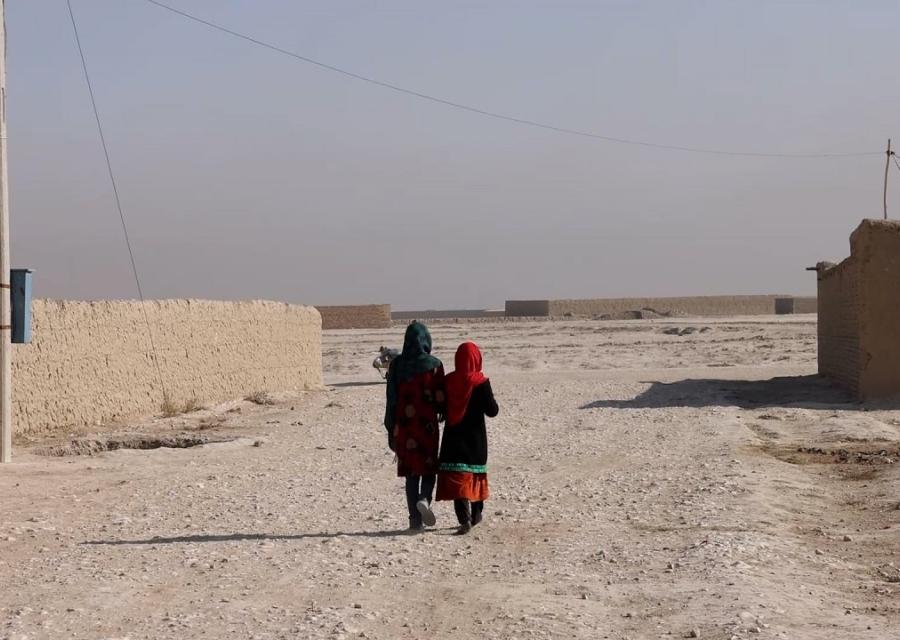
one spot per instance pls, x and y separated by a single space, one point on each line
338 385
800 392
241 537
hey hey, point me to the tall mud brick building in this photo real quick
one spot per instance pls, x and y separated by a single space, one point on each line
859 313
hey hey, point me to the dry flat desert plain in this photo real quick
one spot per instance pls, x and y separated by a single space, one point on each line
651 479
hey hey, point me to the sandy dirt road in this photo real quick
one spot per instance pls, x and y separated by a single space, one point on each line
645 485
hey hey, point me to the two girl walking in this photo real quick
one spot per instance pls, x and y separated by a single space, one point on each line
419 397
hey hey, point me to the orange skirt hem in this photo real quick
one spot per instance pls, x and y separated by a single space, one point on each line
457 485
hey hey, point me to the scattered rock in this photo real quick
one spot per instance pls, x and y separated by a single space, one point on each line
683 331
890 573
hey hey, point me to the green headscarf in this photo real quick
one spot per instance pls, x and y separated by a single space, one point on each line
415 359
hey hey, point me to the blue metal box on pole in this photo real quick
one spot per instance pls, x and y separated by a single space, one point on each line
20 302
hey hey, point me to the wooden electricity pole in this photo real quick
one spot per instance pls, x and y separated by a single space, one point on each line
887 165
5 328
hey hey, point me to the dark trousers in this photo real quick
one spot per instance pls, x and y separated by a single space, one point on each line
468 512
418 487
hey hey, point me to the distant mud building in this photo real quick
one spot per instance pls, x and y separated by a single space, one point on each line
795 304
859 313
613 307
364 316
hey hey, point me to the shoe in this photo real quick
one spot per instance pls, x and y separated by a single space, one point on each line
463 529
415 526
425 511
476 518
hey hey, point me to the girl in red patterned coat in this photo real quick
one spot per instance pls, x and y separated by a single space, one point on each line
415 404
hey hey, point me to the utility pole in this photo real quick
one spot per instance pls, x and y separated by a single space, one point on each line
887 165
5 321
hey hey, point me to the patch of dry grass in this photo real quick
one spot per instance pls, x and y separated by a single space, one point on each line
259 397
170 408
210 422
191 405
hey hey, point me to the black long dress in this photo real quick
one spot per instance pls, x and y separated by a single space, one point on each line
464 450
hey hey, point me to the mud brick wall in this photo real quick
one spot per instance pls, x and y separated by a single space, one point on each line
695 306
90 363
859 314
700 306
527 308
446 314
838 326
369 316
806 305
876 247
794 304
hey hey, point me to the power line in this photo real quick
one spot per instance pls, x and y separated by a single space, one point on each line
492 114
112 179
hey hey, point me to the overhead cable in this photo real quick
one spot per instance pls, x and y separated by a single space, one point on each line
500 116
115 189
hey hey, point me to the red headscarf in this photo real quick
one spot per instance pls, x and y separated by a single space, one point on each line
462 381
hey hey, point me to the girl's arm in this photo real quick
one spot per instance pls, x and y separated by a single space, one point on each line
490 404
391 400
440 393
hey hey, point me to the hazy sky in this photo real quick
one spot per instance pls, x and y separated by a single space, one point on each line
248 174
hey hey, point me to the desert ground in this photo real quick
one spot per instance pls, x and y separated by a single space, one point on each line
650 479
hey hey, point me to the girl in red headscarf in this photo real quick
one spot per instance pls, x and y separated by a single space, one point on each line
462 475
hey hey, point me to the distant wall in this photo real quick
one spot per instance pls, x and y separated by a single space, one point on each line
90 362
859 315
795 304
368 316
698 305
434 314
534 308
